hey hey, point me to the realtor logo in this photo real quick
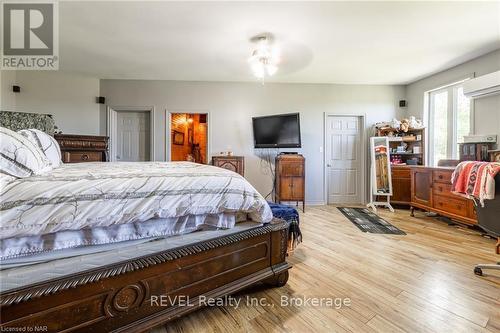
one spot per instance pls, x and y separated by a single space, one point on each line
30 36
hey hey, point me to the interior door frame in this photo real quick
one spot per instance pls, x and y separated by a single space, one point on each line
168 136
363 156
112 113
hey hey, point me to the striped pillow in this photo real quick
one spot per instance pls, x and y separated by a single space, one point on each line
46 143
19 157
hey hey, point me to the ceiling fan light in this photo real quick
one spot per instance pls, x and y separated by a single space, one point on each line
275 55
258 70
264 59
271 69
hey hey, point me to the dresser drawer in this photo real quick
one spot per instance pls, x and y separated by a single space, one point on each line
401 173
81 156
456 206
442 176
292 169
443 189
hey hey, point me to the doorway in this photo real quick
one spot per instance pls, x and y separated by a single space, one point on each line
189 137
344 159
131 132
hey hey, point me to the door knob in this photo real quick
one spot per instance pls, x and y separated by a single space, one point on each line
329 165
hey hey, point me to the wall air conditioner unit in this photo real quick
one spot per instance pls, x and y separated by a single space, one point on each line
483 86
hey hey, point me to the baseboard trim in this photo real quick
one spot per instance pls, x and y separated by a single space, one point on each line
315 203
308 203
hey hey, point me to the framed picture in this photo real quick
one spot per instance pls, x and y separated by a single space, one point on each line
177 138
190 136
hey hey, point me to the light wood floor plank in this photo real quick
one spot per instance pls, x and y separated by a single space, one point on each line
421 282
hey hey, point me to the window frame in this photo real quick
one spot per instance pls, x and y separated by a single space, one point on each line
452 115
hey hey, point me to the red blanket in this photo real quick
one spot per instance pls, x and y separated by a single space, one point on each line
475 179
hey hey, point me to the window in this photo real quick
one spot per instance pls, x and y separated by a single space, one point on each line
450 115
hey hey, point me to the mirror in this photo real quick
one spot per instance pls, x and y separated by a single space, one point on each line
381 166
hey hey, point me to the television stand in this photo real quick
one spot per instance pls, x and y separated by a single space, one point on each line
288 153
290 178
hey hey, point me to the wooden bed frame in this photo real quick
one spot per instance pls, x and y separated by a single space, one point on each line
119 297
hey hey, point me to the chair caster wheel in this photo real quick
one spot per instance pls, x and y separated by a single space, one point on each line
478 271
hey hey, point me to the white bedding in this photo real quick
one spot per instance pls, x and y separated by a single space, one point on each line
88 195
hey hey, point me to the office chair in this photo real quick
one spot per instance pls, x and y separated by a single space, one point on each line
488 218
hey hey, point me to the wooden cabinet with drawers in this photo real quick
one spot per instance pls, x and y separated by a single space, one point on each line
290 178
421 187
83 148
431 191
401 185
233 163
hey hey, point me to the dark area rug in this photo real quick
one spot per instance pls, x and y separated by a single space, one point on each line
367 221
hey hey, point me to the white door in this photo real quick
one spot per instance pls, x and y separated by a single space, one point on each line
133 136
343 159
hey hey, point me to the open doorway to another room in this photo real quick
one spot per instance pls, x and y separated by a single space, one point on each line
189 137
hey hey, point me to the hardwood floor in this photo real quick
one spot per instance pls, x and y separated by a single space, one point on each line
421 282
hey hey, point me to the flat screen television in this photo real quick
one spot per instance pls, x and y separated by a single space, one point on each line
278 131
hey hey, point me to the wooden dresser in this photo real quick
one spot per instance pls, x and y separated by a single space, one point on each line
431 191
233 163
83 148
401 185
290 178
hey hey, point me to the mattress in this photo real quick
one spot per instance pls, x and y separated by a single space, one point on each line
27 249
53 268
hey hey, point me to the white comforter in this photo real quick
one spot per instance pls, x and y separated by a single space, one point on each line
77 196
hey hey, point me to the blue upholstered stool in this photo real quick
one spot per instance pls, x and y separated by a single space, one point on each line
289 214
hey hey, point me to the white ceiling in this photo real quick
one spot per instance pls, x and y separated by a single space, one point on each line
320 42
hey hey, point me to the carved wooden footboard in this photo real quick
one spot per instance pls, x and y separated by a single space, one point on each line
139 294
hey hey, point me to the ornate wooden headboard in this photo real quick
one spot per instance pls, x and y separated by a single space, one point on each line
23 120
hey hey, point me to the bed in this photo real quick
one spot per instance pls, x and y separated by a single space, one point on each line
94 247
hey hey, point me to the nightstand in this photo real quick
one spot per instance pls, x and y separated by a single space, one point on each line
233 163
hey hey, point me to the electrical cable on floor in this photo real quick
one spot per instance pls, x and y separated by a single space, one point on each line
267 162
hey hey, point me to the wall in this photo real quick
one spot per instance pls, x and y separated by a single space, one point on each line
486 110
232 105
69 97
7 97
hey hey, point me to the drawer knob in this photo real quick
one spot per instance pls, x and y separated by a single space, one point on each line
85 157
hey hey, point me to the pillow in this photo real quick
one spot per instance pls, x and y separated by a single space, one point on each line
47 144
19 157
